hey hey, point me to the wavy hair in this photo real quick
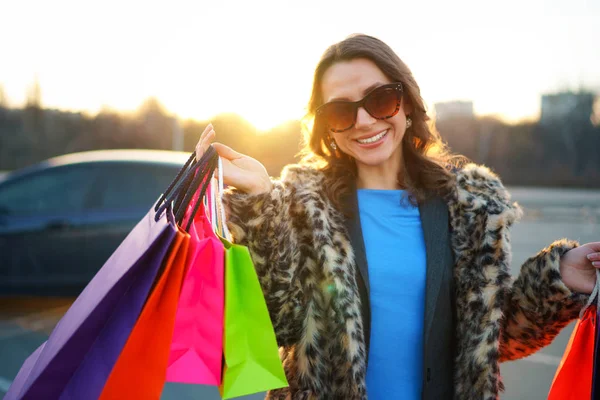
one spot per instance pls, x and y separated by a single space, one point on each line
427 160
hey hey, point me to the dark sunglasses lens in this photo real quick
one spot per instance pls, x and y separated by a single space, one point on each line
383 103
339 116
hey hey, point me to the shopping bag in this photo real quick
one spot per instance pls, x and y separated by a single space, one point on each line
19 381
140 370
251 353
596 361
132 266
89 379
196 354
573 378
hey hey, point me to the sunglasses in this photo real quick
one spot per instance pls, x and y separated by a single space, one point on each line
382 102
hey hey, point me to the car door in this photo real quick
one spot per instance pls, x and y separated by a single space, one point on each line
42 225
122 195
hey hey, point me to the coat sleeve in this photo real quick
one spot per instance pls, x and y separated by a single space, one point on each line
270 225
531 309
539 304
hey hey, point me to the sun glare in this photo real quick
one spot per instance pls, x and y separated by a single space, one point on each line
261 111
203 84
229 63
266 120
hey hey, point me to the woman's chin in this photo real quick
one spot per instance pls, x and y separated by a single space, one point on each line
373 161
376 158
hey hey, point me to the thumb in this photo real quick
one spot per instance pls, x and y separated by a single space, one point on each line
594 246
226 151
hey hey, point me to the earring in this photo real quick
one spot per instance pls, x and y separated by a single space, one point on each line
333 145
408 122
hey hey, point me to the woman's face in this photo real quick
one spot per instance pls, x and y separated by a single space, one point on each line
351 80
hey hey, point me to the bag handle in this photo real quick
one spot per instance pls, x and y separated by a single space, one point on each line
595 295
219 202
203 178
176 181
181 184
189 177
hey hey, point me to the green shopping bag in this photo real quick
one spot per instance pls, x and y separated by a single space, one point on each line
252 361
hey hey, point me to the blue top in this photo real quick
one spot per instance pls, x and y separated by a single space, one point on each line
396 258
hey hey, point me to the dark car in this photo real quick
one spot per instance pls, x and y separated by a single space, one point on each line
61 219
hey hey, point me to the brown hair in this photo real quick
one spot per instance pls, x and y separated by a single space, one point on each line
427 161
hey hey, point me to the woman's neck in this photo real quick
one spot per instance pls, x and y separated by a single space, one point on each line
382 177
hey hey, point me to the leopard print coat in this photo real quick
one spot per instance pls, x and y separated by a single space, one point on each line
305 262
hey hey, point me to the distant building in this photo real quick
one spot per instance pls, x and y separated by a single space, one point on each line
453 109
567 105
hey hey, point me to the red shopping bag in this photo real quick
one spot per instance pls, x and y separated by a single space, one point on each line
573 378
140 371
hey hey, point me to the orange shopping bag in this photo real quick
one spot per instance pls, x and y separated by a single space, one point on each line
573 378
140 371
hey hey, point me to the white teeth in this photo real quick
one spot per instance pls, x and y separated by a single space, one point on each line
372 139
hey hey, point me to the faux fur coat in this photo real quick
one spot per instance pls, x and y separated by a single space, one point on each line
305 262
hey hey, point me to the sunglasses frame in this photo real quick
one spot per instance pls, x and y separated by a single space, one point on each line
361 103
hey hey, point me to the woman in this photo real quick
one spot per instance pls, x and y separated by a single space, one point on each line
385 267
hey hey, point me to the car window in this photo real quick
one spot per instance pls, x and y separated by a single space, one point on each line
129 185
55 190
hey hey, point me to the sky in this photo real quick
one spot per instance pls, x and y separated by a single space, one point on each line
257 58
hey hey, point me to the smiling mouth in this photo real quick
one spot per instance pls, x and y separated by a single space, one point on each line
373 139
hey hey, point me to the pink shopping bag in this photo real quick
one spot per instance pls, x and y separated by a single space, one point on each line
197 346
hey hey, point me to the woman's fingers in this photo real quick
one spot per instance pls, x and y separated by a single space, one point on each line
594 257
206 131
207 136
239 170
227 152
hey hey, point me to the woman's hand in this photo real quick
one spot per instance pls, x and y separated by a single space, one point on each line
578 267
240 171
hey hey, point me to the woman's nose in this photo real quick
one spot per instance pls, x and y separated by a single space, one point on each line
363 118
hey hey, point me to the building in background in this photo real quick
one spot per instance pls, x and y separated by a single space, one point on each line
573 106
453 109
568 119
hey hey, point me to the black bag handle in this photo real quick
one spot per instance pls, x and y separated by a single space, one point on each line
202 180
176 181
186 186
181 184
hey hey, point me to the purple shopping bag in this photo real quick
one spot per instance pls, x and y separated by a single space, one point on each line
80 352
19 381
